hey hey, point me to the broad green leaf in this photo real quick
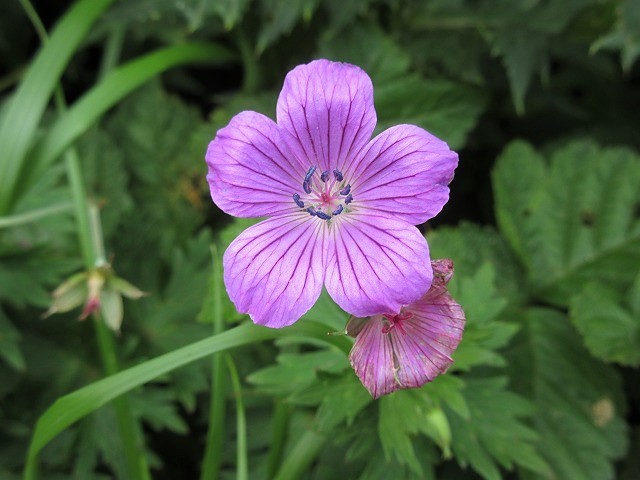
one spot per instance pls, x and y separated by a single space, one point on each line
74 406
495 433
611 328
580 407
21 118
577 218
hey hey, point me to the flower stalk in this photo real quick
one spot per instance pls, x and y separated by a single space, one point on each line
92 248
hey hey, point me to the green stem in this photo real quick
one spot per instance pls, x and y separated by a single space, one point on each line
303 454
217 406
242 464
92 247
251 71
33 215
280 425
129 433
112 50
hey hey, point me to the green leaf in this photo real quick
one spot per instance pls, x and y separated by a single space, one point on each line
9 343
446 109
611 330
296 372
470 247
572 220
279 17
580 406
395 430
21 118
522 53
229 10
484 334
625 35
494 430
74 406
115 86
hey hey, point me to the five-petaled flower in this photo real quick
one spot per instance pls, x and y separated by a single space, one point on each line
342 206
411 348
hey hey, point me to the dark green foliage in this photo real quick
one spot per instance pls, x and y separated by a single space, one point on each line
540 100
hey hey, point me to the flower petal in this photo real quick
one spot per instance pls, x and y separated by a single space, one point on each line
431 336
376 264
249 173
372 359
403 172
415 351
326 112
274 270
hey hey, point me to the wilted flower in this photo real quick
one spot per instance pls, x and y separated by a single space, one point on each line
342 206
100 290
411 348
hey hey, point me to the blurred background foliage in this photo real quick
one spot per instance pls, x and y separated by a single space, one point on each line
540 97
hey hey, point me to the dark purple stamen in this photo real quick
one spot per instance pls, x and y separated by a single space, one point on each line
323 215
306 183
296 198
338 174
325 176
338 210
312 211
348 200
345 190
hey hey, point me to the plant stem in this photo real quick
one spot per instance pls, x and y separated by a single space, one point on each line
251 70
302 455
129 433
280 424
217 407
92 248
242 464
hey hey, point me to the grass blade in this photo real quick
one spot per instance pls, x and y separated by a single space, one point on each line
76 405
116 85
25 109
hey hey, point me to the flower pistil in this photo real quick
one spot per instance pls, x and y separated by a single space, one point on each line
324 199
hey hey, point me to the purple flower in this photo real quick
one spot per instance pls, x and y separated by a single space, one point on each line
342 206
411 348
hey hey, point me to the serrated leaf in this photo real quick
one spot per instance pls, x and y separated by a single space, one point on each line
296 372
579 399
388 61
576 221
610 329
625 35
470 247
495 431
279 17
446 109
483 332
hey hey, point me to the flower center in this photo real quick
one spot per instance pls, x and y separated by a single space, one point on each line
324 198
395 322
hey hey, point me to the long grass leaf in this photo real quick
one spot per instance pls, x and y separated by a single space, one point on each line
116 85
76 405
25 109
